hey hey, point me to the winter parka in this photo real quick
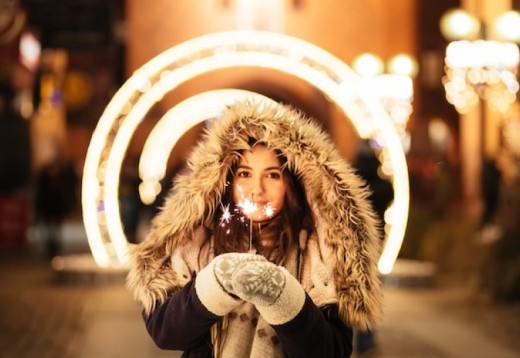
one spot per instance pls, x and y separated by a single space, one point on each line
346 226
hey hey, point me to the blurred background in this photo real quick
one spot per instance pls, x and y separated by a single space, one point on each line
445 70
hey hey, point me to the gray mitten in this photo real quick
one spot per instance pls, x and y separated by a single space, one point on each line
277 294
260 282
213 282
226 264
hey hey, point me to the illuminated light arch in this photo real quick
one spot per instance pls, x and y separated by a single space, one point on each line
212 52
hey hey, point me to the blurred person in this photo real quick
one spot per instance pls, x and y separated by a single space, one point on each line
15 172
491 177
129 200
55 199
381 195
381 190
502 270
442 189
15 144
266 247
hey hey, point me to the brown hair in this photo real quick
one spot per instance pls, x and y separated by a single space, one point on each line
232 235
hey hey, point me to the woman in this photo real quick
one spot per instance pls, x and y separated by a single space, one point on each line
267 248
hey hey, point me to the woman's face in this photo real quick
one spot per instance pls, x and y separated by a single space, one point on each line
258 184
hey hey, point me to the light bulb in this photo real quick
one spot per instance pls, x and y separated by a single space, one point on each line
458 24
507 26
403 64
368 65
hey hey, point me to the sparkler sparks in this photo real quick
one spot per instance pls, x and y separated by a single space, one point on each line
247 207
226 215
269 210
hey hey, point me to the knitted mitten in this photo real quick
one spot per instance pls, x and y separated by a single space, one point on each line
277 294
213 283
226 264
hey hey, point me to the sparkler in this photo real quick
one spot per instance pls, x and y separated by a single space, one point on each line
251 225
248 208
226 215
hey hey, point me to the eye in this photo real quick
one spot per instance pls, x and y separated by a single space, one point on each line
274 175
243 174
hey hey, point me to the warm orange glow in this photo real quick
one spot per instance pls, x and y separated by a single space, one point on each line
217 51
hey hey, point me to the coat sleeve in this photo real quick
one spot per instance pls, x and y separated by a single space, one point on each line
316 332
182 322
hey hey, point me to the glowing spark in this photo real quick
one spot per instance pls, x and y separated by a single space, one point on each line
226 215
269 210
248 207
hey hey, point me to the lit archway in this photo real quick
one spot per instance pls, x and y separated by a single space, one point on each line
205 54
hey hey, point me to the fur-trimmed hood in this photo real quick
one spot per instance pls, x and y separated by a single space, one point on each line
338 198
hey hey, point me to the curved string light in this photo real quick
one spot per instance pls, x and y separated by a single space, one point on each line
208 53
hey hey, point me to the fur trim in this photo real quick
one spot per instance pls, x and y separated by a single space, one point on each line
346 223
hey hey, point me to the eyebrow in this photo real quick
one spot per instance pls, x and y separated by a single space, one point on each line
265 169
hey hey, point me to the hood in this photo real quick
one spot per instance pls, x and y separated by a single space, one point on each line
336 195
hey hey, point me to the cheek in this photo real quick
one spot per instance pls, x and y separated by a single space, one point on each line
279 196
236 194
280 204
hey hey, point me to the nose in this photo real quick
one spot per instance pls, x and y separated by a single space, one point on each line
258 187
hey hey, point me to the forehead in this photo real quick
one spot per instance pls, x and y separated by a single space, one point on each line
260 154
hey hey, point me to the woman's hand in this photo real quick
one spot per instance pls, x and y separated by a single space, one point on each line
226 265
276 294
259 282
214 285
